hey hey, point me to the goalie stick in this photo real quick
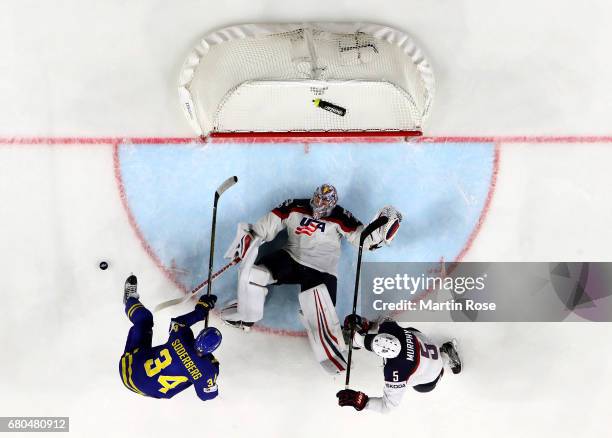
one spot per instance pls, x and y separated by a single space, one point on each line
195 290
220 190
382 220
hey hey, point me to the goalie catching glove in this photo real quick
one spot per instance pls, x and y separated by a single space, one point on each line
242 242
385 234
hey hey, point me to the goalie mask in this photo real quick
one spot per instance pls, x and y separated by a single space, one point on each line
386 345
323 201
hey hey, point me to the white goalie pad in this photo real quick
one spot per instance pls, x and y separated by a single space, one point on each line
323 327
260 276
385 234
252 291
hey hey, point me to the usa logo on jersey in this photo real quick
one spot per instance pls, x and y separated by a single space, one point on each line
309 226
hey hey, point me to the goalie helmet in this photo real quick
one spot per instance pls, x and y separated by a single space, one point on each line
208 340
386 345
323 201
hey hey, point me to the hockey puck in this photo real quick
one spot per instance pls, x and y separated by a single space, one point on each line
103 265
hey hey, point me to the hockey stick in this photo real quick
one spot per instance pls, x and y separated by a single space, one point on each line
382 220
222 188
192 292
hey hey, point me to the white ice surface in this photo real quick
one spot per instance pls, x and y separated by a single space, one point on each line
109 69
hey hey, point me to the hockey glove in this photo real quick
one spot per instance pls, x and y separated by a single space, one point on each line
356 399
386 233
207 302
359 324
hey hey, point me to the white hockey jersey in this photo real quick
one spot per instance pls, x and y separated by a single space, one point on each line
418 363
313 243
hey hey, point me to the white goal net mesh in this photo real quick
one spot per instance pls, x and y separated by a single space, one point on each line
316 77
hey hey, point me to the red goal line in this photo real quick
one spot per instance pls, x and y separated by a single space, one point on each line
534 139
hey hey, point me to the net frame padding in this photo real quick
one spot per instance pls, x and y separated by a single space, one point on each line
261 80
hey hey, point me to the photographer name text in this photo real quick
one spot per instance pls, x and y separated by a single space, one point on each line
433 306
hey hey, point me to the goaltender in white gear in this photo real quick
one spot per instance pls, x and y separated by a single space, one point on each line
310 258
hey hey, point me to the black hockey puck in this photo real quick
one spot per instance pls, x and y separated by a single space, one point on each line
103 265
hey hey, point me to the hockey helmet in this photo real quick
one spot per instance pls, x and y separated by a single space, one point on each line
323 201
386 345
208 340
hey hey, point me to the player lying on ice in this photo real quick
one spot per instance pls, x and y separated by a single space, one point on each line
410 360
166 370
315 228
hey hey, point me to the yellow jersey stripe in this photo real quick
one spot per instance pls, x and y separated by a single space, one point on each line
130 376
123 373
133 309
126 373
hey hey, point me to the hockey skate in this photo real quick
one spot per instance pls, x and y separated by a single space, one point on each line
450 350
243 325
228 314
130 288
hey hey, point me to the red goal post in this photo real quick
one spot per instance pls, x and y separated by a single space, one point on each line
308 80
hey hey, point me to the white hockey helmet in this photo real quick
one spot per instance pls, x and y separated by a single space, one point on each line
386 345
323 200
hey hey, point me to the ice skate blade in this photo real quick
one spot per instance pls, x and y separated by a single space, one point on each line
240 325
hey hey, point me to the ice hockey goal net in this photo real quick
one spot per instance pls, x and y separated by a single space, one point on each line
314 79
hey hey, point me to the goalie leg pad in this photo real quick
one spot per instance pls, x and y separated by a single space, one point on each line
252 308
260 276
323 328
251 296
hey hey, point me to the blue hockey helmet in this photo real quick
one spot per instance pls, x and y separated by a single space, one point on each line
208 340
